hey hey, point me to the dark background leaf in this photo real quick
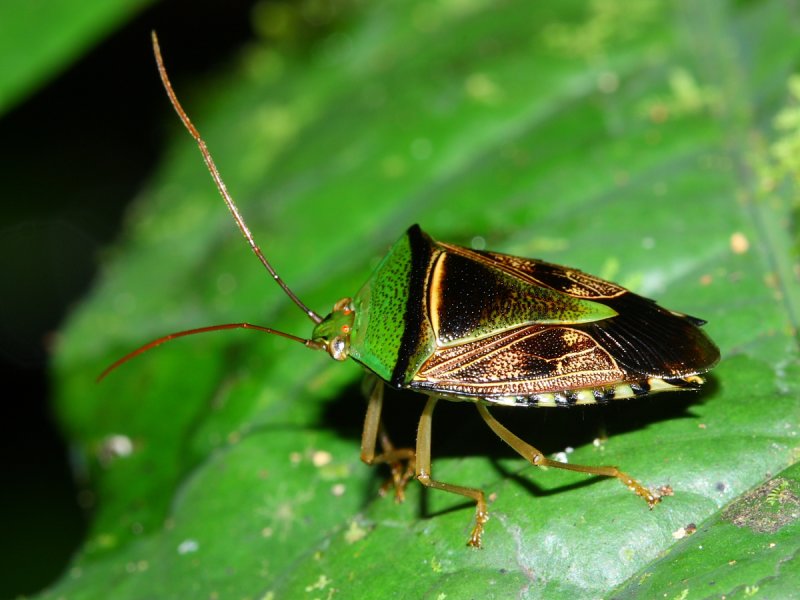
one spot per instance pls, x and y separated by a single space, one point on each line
75 150
649 144
39 38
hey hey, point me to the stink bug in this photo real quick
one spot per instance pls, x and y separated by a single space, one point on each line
488 328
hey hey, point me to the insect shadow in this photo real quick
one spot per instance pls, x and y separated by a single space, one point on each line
459 431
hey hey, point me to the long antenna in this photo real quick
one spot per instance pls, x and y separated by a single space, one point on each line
178 334
223 190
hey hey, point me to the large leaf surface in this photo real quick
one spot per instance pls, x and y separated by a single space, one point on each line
649 143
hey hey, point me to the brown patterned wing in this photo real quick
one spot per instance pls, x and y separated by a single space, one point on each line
643 339
524 361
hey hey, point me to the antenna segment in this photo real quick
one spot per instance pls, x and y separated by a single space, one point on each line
223 190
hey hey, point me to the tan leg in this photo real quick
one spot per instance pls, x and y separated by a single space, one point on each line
423 469
533 455
400 460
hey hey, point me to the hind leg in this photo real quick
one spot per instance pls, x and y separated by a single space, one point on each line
535 457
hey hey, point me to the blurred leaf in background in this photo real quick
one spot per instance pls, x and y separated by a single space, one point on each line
81 127
45 262
648 143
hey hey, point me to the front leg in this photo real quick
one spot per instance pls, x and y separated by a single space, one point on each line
400 460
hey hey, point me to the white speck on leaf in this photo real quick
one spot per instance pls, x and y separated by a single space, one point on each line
188 546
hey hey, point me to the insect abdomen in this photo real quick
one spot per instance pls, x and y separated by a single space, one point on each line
601 395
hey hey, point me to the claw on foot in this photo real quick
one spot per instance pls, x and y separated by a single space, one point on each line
652 498
401 474
481 516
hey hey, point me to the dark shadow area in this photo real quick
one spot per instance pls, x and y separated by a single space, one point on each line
458 430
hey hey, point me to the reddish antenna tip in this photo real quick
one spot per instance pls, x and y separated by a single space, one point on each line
178 334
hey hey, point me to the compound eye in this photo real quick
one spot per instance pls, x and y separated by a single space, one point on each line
338 348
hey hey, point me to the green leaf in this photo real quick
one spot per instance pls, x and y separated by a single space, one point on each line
764 522
648 143
38 39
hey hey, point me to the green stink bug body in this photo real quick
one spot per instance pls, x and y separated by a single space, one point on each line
460 324
483 326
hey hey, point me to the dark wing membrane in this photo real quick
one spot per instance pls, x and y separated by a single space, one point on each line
648 340
523 361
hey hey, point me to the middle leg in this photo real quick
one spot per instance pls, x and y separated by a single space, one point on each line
423 469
